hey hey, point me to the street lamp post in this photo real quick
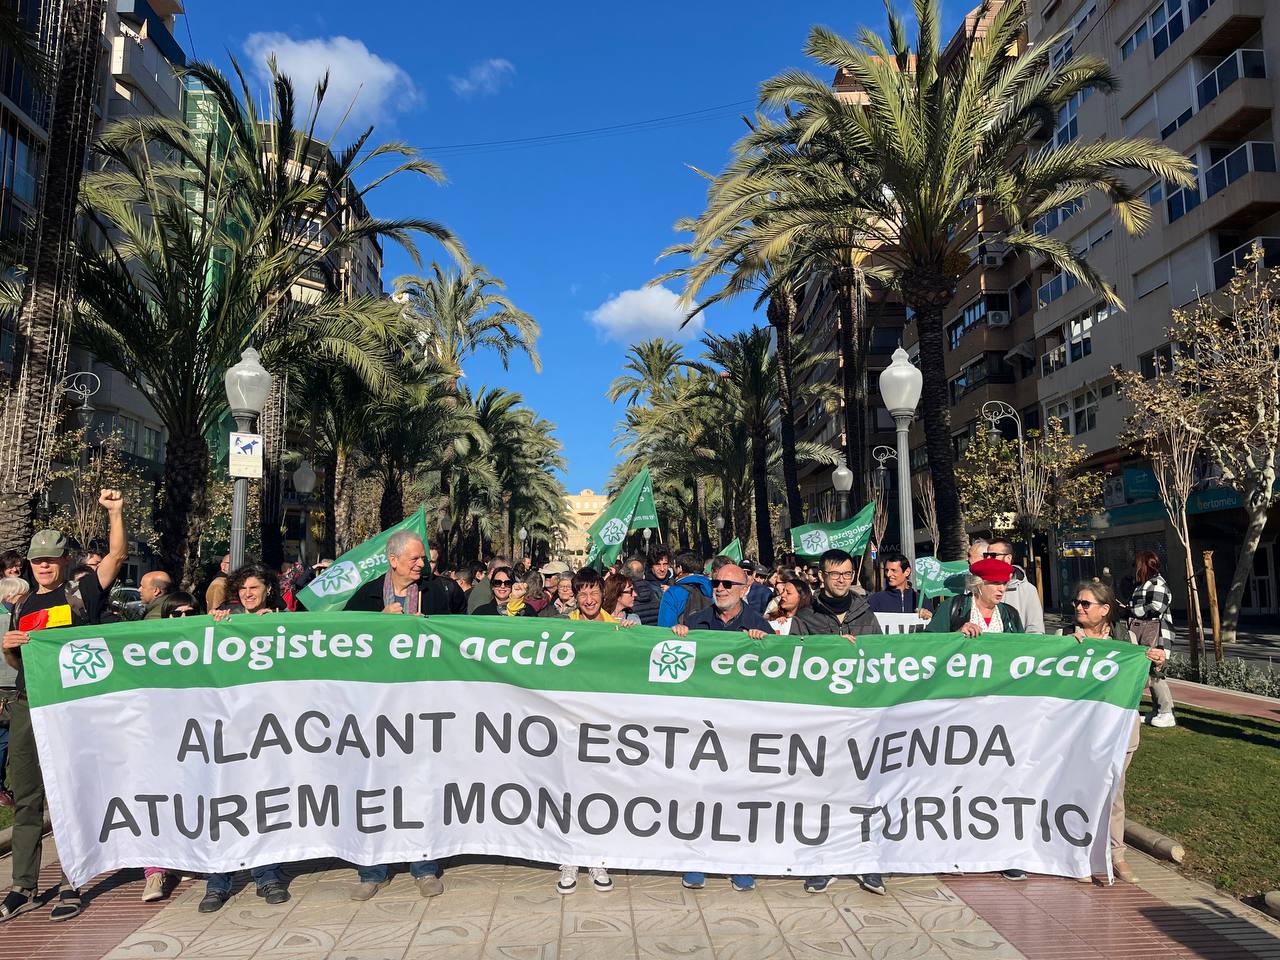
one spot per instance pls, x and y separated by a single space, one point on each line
842 480
247 384
900 384
524 535
82 386
719 521
995 411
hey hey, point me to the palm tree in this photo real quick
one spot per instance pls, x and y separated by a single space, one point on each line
41 342
461 312
651 367
290 183
173 297
925 140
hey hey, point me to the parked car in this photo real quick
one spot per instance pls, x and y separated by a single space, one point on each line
126 603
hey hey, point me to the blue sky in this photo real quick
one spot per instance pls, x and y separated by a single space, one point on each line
573 228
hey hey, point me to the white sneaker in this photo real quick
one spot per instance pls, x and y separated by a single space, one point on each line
153 889
1163 720
568 881
600 879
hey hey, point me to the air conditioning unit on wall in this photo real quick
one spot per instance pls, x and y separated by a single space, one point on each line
998 318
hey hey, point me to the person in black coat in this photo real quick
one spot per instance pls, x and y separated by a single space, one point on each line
409 586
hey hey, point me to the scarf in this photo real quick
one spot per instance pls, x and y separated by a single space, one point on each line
514 606
412 601
995 626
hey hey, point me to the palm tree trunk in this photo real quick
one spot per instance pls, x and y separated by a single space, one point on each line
271 511
329 466
40 349
781 312
760 481
701 541
852 379
186 484
391 509
936 413
344 502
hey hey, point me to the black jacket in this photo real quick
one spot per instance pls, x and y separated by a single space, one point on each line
818 618
648 599
438 595
490 609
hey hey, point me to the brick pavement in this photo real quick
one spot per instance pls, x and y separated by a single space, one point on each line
1224 701
497 911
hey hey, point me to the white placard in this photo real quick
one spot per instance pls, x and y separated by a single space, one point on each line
245 457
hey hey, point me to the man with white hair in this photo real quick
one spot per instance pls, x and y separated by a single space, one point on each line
408 588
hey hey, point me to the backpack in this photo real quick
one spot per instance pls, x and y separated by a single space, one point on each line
960 613
697 601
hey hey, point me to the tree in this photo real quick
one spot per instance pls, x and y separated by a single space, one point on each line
173 338
926 511
290 184
1040 484
41 336
1233 364
1168 425
932 138
651 367
103 468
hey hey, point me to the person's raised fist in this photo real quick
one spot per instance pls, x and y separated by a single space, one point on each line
111 500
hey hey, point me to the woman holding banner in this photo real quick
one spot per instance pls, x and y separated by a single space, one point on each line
982 609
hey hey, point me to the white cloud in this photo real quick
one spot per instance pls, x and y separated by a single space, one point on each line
635 315
484 78
378 87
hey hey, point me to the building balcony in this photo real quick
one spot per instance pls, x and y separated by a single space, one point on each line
1231 102
1215 29
1235 192
1226 265
1238 65
142 67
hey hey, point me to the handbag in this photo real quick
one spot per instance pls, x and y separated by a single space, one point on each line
1147 633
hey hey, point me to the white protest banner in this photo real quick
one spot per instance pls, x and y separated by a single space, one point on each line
379 738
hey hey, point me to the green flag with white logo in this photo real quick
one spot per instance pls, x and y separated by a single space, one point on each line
351 571
631 509
935 578
851 536
732 550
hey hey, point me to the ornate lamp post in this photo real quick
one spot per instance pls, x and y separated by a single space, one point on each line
842 480
900 384
247 385
524 535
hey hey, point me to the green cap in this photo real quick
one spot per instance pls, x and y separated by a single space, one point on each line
47 545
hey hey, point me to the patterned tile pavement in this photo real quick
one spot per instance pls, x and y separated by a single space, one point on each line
498 911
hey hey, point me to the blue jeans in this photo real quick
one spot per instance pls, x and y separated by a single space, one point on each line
221 882
698 879
378 873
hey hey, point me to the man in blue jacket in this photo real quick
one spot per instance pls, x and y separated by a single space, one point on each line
690 592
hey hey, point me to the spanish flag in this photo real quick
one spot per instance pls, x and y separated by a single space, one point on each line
59 616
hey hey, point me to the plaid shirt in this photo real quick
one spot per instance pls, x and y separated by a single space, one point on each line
1154 601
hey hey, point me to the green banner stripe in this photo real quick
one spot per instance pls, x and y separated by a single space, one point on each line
65 665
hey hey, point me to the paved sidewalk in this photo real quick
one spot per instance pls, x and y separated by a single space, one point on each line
496 911
1224 701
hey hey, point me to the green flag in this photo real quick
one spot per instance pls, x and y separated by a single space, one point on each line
632 509
851 536
732 550
934 578
332 589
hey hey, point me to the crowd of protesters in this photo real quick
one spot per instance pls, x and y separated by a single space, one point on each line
50 584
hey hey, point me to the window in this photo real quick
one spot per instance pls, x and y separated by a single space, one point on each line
1169 128
1157 361
151 443
129 427
919 458
885 339
991 367
1057 217
1059 411
1059 286
1063 53
1021 297
1151 279
1084 411
975 314
1154 194
1067 127
1134 41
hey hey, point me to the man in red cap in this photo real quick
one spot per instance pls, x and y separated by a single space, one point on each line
982 609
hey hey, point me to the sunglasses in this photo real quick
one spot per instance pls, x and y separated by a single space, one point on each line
1086 604
995 556
501 583
727 584
183 612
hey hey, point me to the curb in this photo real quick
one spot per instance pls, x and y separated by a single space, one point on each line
6 837
1224 690
1156 844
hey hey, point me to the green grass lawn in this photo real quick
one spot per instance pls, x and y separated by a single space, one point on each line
6 817
1213 784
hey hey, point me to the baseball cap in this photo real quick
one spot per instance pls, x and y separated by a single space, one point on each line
47 545
555 568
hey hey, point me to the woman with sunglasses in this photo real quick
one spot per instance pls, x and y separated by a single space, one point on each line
502 580
1098 618
620 597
